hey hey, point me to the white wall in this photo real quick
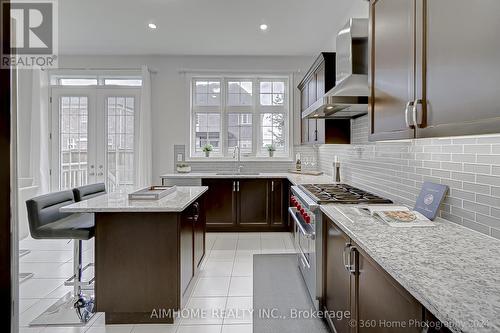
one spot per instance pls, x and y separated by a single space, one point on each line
170 94
353 9
24 82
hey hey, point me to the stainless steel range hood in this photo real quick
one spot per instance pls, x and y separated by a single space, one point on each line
349 97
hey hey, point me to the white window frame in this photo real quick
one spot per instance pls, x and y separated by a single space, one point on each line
258 152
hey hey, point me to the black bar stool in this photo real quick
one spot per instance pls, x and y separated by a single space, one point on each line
46 222
89 191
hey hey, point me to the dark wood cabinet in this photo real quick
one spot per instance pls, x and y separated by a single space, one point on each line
199 230
246 204
391 69
278 201
318 80
220 202
356 286
373 285
337 280
186 249
423 81
253 201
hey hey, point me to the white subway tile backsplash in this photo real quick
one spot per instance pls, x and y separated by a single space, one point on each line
491 180
470 166
477 188
477 149
488 159
477 168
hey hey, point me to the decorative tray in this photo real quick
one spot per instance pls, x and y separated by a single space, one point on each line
155 192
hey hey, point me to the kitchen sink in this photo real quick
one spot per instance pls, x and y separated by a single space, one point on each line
229 173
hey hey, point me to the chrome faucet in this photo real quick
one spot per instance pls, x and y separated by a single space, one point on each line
237 162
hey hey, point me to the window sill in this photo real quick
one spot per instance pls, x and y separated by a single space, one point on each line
243 160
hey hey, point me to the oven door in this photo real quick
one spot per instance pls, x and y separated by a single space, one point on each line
305 245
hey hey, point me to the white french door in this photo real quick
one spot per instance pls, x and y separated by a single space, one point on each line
94 136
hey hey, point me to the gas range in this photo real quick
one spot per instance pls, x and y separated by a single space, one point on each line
341 194
307 219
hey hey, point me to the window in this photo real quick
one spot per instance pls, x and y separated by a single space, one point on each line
95 80
239 93
239 131
207 131
272 92
248 112
207 93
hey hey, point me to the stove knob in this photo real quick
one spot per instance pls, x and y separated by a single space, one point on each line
299 207
294 201
307 218
302 212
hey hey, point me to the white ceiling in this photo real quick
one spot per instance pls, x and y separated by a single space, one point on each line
202 27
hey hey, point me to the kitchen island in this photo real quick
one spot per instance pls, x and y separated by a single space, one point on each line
146 253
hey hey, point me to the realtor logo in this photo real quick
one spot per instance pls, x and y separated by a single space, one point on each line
33 34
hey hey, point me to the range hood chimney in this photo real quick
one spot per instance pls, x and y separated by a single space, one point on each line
349 97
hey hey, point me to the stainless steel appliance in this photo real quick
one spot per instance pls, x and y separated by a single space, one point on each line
349 97
308 226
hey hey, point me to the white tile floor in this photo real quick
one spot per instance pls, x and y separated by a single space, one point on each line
223 291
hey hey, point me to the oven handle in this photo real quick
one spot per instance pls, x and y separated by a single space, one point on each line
293 213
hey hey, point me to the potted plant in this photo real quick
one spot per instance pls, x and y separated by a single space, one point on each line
271 149
207 149
183 168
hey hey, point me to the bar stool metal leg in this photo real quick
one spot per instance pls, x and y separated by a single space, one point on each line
73 309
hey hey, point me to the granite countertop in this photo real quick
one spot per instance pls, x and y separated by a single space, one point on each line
119 202
453 271
294 178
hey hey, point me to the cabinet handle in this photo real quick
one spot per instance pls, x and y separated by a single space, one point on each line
238 186
352 266
346 266
272 185
316 134
407 109
234 186
414 111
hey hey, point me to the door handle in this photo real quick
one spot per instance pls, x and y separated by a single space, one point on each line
414 111
407 109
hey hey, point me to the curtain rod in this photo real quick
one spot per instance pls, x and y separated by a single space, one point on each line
151 70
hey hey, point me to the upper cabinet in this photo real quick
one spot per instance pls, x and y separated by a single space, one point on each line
319 79
434 67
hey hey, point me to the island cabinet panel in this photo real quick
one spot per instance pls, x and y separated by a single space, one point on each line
220 202
244 204
136 265
199 226
145 262
253 202
368 298
186 249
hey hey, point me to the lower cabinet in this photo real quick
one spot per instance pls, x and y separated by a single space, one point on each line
192 242
338 282
360 294
246 204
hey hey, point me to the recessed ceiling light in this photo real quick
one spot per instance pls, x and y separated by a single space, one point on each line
152 26
263 27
